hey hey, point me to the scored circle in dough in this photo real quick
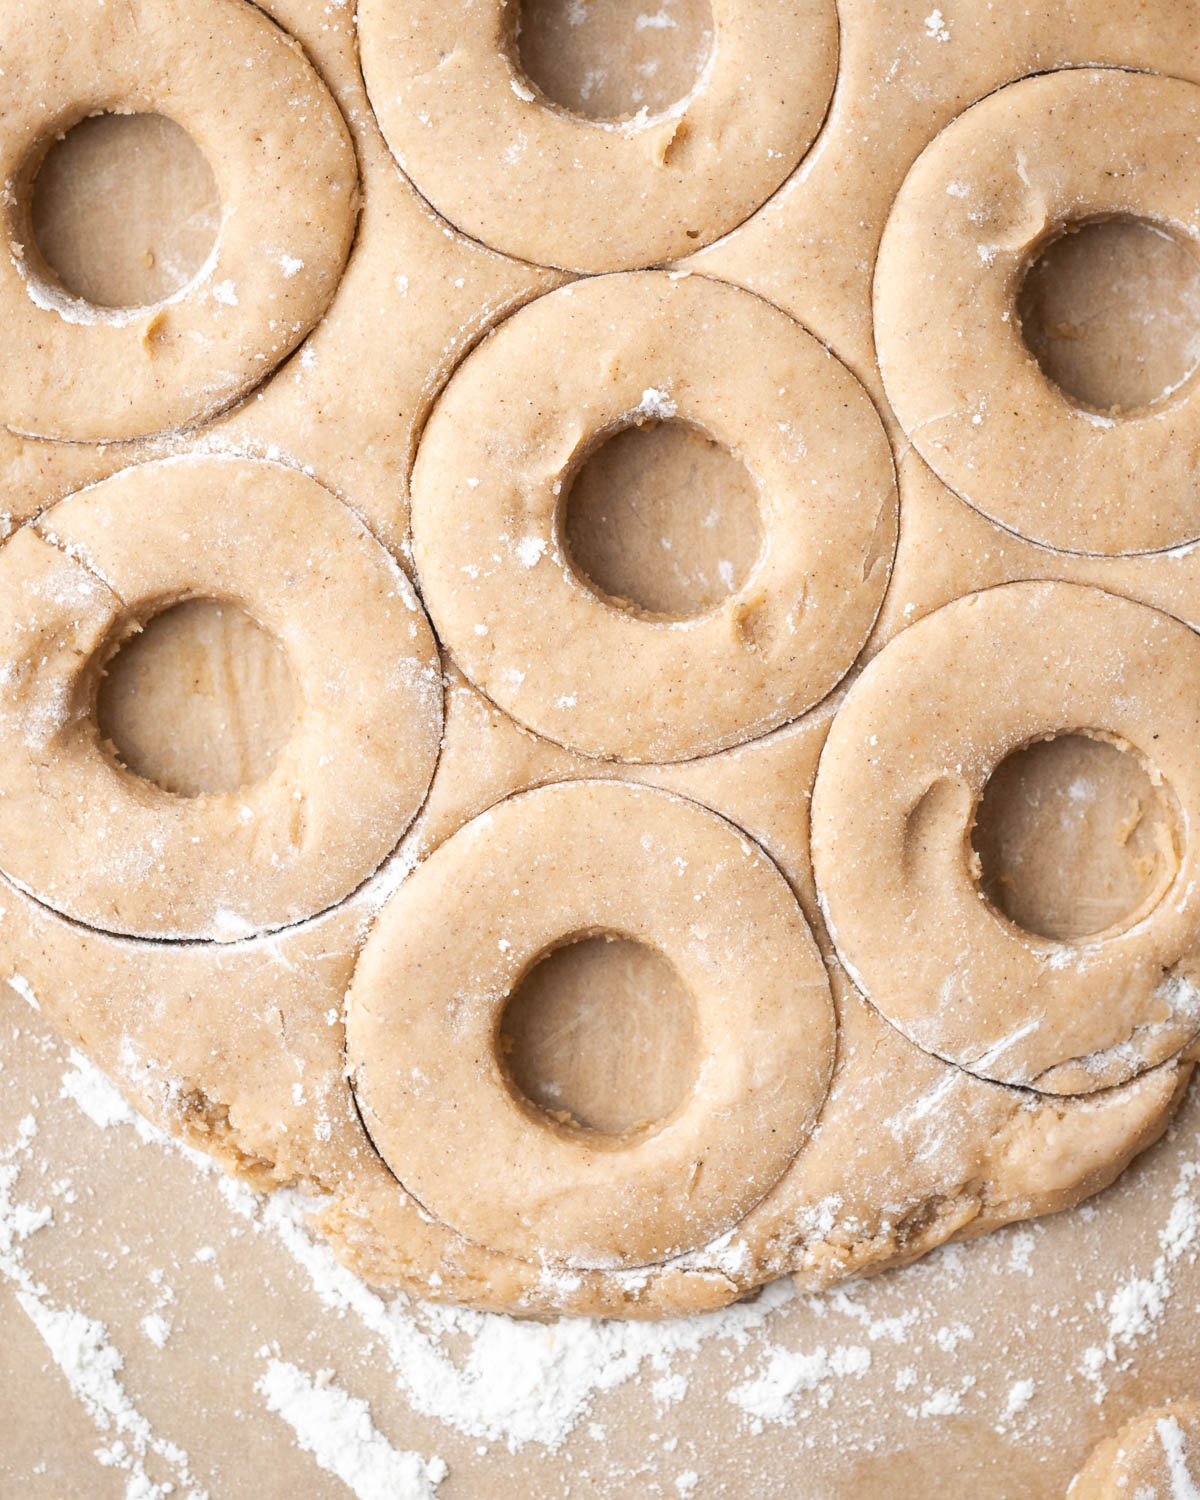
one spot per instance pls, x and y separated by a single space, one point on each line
494 469
114 850
508 166
901 776
424 1009
974 212
288 181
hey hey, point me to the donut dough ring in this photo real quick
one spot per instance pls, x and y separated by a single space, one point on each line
901 776
975 211
1154 1456
429 991
77 372
115 851
494 468
508 166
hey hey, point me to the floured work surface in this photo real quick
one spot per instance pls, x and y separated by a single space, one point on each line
164 1326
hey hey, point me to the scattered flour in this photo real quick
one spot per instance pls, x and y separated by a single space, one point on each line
771 1396
661 20
1139 1302
529 549
1183 1484
1020 1394
935 27
656 405
945 1402
499 1379
23 988
519 1382
97 1096
157 1329
336 1428
80 1347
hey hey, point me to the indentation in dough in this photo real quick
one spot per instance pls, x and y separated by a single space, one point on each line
199 700
1017 216
612 60
760 624
665 140
940 809
661 519
879 548
1110 309
601 1035
124 209
1075 835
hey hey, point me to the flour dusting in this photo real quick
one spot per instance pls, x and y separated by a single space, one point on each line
337 1430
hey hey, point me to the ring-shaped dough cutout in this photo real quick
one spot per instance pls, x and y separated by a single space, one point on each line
506 165
287 177
434 977
975 211
495 466
900 779
117 852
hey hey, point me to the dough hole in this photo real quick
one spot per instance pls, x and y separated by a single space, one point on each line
663 520
608 59
601 1032
1110 309
1074 838
124 210
201 701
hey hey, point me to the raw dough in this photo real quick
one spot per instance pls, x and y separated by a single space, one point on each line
424 1011
908 1151
495 464
76 371
117 852
906 762
508 166
268 1097
975 210
1154 1456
